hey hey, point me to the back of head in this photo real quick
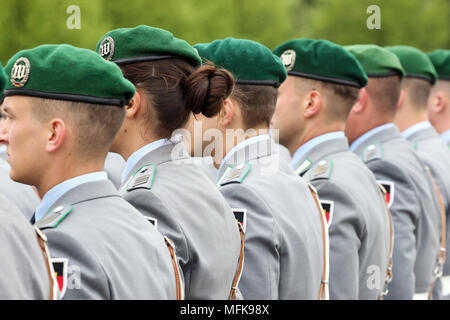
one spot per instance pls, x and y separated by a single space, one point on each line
420 75
58 78
384 72
338 82
168 71
440 59
258 74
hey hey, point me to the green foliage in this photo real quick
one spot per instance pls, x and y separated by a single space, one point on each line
425 24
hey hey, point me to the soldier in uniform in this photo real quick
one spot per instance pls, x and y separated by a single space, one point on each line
24 197
160 179
411 196
439 100
312 107
286 241
59 125
412 121
26 271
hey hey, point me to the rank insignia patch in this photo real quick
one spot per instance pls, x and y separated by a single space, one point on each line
60 266
389 187
241 216
328 208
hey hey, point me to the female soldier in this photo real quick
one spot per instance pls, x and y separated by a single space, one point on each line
159 178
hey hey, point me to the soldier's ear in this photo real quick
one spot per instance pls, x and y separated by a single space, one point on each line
135 104
401 99
227 112
313 103
361 104
57 132
439 103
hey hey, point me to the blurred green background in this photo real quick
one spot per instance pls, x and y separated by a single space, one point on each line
421 23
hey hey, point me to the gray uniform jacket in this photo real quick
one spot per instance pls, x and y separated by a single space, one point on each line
23 273
102 247
284 246
414 208
358 219
436 155
186 206
23 196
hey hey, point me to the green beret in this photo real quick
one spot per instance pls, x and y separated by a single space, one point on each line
250 62
2 83
415 63
65 72
321 60
376 61
144 43
441 62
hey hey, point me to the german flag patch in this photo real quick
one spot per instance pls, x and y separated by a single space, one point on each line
328 208
389 187
241 217
60 266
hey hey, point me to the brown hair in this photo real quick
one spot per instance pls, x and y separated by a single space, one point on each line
257 103
385 92
418 91
95 126
174 89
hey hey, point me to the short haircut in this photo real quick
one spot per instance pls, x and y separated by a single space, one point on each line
257 103
418 91
95 125
384 93
339 99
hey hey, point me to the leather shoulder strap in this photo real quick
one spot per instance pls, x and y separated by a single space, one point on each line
42 241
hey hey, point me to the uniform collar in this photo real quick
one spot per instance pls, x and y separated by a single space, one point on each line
376 135
249 149
59 190
140 153
415 128
446 136
164 151
318 148
3 153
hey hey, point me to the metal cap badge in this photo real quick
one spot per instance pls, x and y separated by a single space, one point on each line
20 72
288 59
106 48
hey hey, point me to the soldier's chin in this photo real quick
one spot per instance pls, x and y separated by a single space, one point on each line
17 177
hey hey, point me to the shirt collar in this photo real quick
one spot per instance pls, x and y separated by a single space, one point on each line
415 128
241 145
57 191
369 134
304 148
140 153
2 148
446 136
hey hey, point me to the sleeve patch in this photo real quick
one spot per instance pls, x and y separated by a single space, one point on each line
328 209
241 217
390 191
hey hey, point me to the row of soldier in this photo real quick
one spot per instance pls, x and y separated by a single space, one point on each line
122 161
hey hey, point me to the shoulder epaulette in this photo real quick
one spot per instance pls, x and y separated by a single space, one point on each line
235 174
322 170
142 178
54 217
374 151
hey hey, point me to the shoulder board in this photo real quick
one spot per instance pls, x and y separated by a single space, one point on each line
322 170
235 174
54 217
142 178
374 151
303 167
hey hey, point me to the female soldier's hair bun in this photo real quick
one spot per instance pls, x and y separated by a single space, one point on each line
207 88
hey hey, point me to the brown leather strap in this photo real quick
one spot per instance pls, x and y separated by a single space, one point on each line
171 246
324 282
388 278
42 241
238 274
440 259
